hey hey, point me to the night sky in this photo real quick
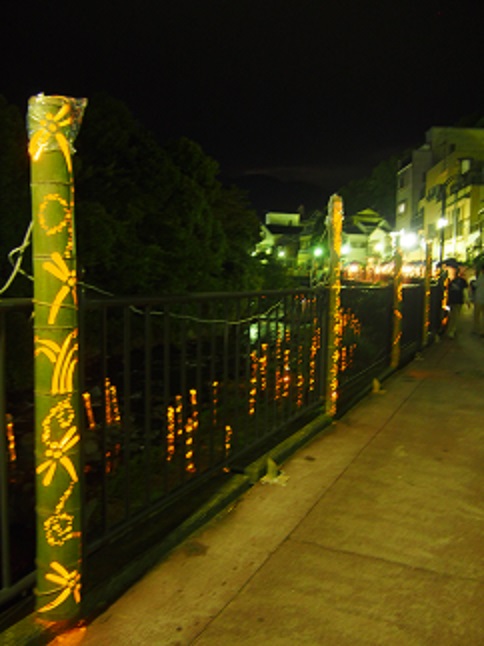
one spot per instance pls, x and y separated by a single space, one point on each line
313 90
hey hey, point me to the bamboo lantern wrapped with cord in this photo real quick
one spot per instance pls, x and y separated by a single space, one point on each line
53 123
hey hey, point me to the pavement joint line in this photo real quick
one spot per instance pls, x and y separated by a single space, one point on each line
359 453
238 591
416 568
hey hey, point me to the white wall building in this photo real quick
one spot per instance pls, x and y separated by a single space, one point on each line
440 192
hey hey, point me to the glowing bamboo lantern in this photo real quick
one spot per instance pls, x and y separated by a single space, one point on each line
170 433
189 454
215 397
278 371
426 304
89 411
191 427
12 452
315 347
335 226
397 309
108 410
179 414
113 397
227 443
263 361
253 382
53 123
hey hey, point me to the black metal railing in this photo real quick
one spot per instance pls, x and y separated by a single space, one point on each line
412 321
180 391
17 482
366 342
183 388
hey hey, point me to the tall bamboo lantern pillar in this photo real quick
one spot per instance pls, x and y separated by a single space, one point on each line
335 231
53 123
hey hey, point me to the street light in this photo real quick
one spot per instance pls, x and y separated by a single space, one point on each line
408 239
317 253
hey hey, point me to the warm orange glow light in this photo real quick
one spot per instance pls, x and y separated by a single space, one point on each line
89 412
12 453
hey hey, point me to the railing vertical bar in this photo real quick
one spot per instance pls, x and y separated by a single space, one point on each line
183 393
259 399
319 318
311 329
237 368
322 359
225 370
286 353
4 520
276 362
213 379
167 394
262 372
293 354
243 441
274 367
198 374
312 338
127 407
82 418
104 430
148 401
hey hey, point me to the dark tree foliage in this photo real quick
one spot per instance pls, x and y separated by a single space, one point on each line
154 219
242 228
149 219
14 190
377 191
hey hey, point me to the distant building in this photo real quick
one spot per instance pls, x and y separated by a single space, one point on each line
411 188
280 236
310 249
283 219
366 235
440 192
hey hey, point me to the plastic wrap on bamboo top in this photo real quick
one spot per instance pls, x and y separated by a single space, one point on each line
53 123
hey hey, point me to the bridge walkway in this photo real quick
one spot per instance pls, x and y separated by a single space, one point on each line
373 534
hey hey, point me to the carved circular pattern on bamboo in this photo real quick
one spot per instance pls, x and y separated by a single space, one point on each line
55 214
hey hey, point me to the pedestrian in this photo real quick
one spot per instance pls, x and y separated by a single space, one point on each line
479 301
457 295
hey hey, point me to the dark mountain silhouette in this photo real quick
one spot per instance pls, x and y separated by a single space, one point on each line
267 193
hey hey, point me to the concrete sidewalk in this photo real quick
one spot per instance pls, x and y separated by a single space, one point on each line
372 535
